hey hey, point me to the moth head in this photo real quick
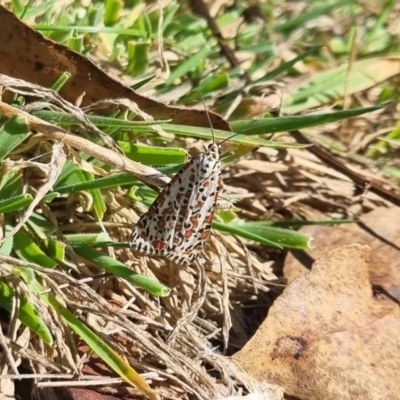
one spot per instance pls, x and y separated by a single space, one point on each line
214 148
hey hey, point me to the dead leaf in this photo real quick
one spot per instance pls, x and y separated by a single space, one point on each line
327 337
27 55
380 230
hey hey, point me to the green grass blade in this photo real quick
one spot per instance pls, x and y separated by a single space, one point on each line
282 124
118 269
86 238
205 133
91 29
11 184
55 249
307 16
112 11
188 65
207 86
286 65
15 203
150 155
12 134
393 171
61 81
55 117
138 58
275 237
27 313
28 250
99 183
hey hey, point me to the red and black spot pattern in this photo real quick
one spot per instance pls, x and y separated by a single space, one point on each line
177 225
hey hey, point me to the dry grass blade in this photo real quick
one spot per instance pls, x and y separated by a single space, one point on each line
50 131
53 169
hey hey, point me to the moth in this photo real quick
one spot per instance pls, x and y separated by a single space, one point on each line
177 225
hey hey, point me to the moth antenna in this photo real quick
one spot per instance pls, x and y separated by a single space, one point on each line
212 130
209 119
230 137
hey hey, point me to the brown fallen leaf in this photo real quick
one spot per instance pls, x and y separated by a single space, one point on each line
379 229
27 55
327 337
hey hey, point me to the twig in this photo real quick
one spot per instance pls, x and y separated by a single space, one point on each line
200 7
361 181
8 354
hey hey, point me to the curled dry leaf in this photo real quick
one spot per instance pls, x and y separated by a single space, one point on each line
327 337
380 230
44 61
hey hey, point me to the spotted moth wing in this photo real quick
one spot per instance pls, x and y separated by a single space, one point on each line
177 225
